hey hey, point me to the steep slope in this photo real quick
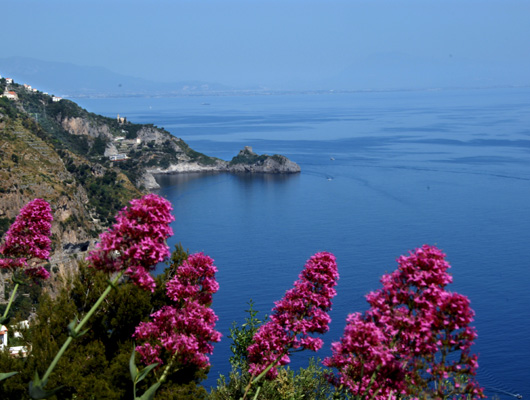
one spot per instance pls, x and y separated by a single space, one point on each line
89 166
35 163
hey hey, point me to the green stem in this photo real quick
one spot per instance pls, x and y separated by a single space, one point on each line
78 328
10 301
166 371
256 379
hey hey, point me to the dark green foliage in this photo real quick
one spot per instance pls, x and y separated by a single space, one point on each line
27 296
132 131
5 223
248 158
99 145
65 109
106 193
96 364
279 159
242 338
7 107
308 383
195 155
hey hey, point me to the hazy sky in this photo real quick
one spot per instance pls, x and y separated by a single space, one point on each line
276 43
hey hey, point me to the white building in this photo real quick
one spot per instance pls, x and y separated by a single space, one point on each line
56 99
118 157
14 351
10 95
3 337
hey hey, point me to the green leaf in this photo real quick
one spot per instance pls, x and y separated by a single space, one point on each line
257 392
71 327
7 375
150 393
71 330
36 389
132 366
143 373
17 281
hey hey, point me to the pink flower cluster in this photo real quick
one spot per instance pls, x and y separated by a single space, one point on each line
185 329
137 241
361 352
194 280
418 323
27 238
302 311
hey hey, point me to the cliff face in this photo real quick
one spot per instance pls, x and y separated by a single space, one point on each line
30 168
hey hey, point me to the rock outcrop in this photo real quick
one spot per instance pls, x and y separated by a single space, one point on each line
248 161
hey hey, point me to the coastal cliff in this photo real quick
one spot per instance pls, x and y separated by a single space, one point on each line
88 166
247 161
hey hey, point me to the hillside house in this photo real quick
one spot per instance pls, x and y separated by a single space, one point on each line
9 94
14 351
56 99
3 337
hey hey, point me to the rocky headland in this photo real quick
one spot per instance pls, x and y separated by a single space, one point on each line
247 161
88 166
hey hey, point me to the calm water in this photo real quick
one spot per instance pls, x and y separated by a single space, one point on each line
382 173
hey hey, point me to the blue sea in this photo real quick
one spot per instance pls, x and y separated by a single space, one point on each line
382 173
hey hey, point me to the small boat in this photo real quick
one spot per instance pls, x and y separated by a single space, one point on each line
332 159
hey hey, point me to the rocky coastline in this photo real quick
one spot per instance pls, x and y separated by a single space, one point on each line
247 161
88 167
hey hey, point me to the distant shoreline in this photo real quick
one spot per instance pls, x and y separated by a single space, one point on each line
242 93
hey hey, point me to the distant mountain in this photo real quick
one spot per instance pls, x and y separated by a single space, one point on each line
69 80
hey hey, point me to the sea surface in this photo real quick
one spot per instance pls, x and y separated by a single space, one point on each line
382 174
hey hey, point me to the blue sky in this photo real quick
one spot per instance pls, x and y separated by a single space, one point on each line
281 44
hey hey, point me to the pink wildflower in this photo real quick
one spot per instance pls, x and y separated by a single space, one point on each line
187 327
302 311
366 364
28 237
421 323
137 241
194 280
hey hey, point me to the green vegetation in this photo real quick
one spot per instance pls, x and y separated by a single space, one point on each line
96 364
248 158
5 223
307 383
67 127
106 193
196 156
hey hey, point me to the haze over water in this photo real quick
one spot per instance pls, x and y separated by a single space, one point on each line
382 173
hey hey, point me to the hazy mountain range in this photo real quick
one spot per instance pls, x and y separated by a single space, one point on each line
65 79
380 71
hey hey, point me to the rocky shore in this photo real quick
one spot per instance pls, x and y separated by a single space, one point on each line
247 161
